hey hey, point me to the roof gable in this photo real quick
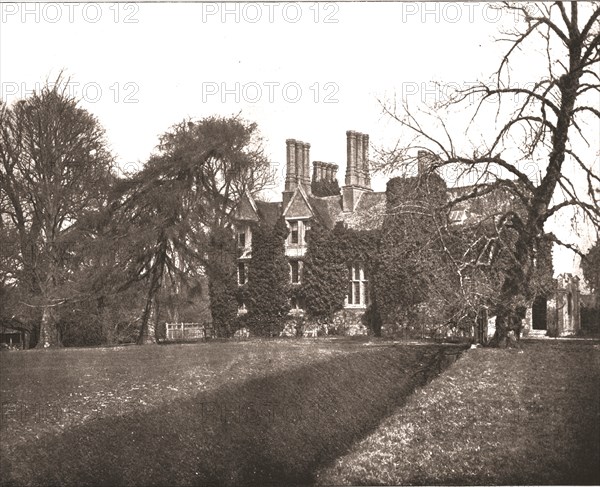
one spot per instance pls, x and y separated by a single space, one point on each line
327 208
246 209
299 206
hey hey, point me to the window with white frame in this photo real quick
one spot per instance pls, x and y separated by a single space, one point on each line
243 236
295 271
297 233
358 286
294 232
242 273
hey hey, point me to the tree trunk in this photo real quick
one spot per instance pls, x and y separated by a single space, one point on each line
148 331
150 314
49 336
516 292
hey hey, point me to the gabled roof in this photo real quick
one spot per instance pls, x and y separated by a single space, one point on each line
369 212
299 205
328 209
247 209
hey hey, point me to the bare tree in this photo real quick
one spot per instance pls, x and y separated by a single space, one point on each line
54 168
551 120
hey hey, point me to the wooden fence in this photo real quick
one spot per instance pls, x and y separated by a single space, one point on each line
189 331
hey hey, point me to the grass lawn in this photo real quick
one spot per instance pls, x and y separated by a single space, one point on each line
494 417
234 413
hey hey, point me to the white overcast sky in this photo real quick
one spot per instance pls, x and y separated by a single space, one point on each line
307 71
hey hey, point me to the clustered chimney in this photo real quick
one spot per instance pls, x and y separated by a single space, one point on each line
358 179
323 171
357 168
298 165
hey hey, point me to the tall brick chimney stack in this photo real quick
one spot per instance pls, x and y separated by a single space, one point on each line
323 171
297 167
358 179
299 148
306 170
290 176
351 176
366 168
360 172
332 171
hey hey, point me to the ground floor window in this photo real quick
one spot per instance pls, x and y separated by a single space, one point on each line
296 305
242 273
295 271
358 286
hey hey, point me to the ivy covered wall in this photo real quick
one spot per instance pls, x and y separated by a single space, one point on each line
325 276
418 284
266 294
222 273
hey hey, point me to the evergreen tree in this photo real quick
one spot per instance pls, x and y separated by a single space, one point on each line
325 278
268 280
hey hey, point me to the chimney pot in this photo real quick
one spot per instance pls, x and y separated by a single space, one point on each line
299 151
366 168
360 173
291 179
307 165
351 175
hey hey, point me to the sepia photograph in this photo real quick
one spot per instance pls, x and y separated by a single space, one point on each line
299 243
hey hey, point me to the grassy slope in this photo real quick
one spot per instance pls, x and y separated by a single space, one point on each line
218 414
494 417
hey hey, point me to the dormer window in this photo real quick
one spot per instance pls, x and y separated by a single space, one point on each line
244 236
294 232
297 233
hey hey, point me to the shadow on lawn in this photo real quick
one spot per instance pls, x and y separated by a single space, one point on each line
272 430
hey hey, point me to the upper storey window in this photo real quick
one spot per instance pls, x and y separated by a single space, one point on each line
297 233
244 236
294 232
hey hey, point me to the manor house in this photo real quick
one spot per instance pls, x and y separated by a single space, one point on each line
357 206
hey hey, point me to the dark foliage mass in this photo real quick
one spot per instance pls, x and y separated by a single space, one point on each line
88 256
546 119
325 273
590 265
55 174
267 293
325 188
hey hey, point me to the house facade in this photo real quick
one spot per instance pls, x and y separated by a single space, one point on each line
358 207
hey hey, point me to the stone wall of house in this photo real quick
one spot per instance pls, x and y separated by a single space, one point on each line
567 305
551 317
346 322
527 322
